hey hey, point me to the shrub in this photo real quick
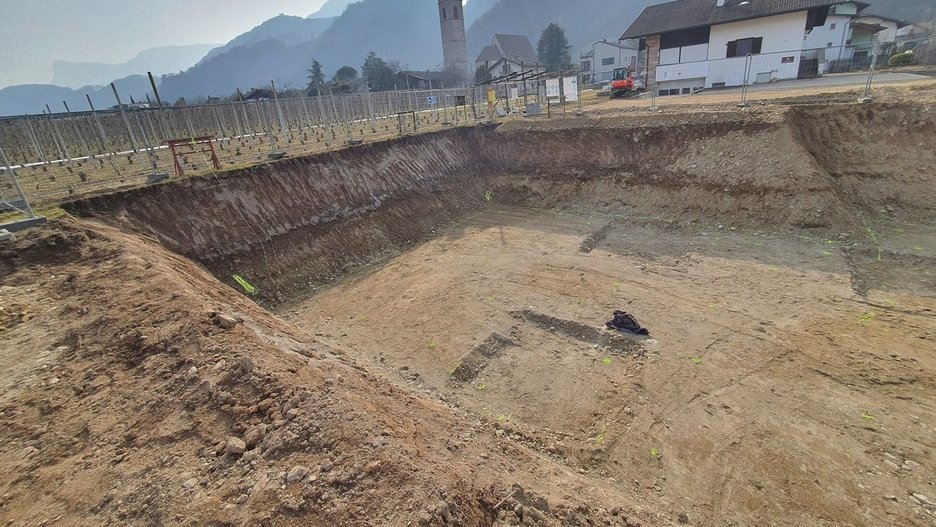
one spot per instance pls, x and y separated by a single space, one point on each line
901 59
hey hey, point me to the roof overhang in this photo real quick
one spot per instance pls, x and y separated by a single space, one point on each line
630 36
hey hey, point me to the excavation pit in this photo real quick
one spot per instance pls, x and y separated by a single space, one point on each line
424 330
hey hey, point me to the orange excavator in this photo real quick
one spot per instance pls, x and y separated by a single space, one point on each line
622 83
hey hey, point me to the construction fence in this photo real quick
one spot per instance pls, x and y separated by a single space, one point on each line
805 74
58 156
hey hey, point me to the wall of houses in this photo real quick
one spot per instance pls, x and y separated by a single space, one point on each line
779 58
780 33
780 54
833 37
889 34
607 57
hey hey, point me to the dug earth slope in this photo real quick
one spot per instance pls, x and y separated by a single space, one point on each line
163 397
436 355
293 226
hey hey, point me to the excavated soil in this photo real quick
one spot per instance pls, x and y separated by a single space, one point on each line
426 342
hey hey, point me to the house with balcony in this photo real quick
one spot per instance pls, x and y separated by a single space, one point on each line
695 44
846 41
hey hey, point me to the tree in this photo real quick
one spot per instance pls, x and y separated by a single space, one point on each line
316 78
379 75
344 79
345 74
553 48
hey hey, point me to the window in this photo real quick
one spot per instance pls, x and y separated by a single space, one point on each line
608 61
444 14
832 27
586 65
742 47
828 44
455 14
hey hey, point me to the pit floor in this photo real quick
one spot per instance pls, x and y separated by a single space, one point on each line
768 384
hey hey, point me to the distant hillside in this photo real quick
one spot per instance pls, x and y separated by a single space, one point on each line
32 98
404 30
584 22
475 8
160 61
285 29
413 39
908 10
332 8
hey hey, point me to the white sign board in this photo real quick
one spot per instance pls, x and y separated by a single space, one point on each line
431 100
515 93
553 89
570 87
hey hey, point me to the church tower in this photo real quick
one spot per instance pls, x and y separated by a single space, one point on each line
454 43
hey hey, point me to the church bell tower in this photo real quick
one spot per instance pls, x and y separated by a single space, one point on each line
454 43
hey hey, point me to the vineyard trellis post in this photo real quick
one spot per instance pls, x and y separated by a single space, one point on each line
97 120
123 115
57 137
77 128
279 110
35 140
23 202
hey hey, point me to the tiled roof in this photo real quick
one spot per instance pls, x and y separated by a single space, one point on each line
489 53
515 47
686 14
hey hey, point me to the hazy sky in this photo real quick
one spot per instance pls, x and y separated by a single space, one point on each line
34 33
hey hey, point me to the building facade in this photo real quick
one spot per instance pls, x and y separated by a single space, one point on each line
507 55
599 62
696 44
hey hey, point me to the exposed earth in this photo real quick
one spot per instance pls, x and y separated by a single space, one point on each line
412 332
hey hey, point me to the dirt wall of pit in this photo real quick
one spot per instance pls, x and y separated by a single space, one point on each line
294 225
881 157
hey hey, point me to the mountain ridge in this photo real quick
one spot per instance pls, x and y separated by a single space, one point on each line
159 60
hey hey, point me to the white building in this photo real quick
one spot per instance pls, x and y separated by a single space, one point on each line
847 40
507 54
599 62
694 44
849 25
